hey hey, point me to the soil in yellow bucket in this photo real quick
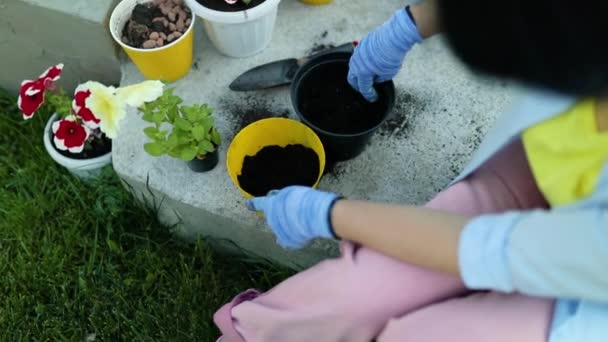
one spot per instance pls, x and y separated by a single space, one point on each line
275 167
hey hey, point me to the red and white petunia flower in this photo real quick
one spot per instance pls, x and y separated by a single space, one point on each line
52 73
80 108
31 97
70 135
31 94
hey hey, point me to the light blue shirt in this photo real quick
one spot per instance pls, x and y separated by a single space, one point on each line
560 253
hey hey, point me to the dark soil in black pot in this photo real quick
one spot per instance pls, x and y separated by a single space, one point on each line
96 148
275 167
330 103
223 6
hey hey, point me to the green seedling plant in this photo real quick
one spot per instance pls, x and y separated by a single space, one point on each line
193 133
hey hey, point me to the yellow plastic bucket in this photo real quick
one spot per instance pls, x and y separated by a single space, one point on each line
268 132
316 2
168 63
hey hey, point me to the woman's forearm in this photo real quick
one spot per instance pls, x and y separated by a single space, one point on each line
420 236
427 18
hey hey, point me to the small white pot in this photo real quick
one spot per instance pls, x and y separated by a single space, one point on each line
82 168
239 34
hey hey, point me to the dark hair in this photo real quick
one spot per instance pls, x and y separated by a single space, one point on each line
556 44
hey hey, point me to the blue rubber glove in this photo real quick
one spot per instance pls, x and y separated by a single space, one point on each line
379 56
297 214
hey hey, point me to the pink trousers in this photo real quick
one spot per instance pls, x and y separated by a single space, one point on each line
365 295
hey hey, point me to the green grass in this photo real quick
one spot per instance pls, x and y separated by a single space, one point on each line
78 259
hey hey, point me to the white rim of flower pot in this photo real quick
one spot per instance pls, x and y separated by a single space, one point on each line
233 17
70 163
122 13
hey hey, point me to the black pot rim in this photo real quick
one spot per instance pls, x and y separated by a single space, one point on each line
337 57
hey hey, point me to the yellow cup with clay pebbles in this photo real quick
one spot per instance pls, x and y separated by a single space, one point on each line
161 47
273 153
316 2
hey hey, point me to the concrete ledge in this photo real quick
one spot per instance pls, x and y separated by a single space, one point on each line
441 114
35 34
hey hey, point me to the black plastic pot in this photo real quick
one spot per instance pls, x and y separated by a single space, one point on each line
205 164
349 140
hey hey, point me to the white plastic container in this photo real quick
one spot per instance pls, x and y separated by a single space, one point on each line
82 168
239 34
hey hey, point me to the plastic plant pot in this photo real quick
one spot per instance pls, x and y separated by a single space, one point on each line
205 164
239 34
269 132
340 116
167 63
81 168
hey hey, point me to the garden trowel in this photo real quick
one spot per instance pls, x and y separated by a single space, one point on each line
279 73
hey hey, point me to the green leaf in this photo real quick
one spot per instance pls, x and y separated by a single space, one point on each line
182 124
175 153
150 280
199 133
196 113
148 117
216 138
206 146
172 141
190 113
113 246
155 149
163 109
82 283
158 118
184 139
172 114
188 153
161 135
151 132
207 122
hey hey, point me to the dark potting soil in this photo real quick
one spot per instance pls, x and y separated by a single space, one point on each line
319 45
94 149
223 6
250 116
330 103
275 167
156 24
247 109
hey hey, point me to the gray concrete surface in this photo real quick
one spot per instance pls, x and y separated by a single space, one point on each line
442 113
35 34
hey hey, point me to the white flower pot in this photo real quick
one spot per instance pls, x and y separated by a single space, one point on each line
239 34
82 168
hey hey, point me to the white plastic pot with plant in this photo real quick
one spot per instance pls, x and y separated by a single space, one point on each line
78 136
237 28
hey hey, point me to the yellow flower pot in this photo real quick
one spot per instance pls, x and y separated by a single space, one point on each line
168 63
268 132
316 2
